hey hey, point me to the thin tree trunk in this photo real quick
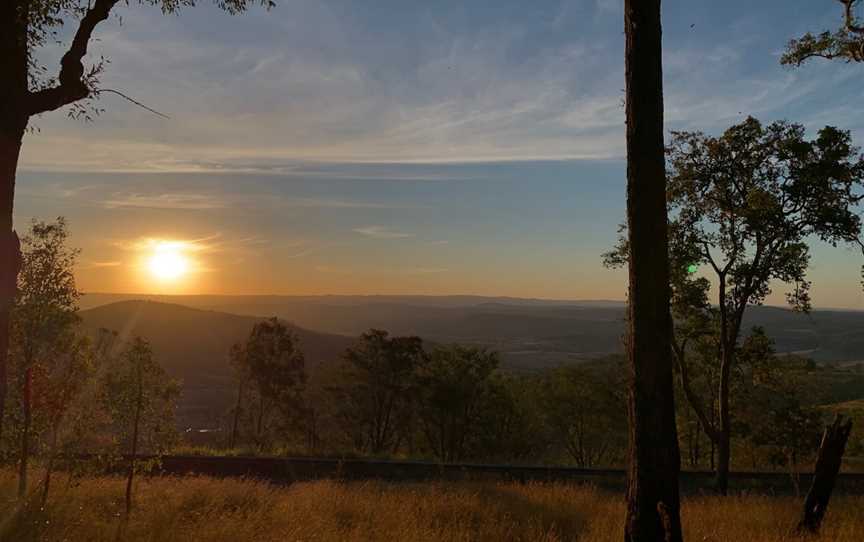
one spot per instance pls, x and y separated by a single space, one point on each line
25 433
654 460
260 425
828 464
233 442
134 451
13 124
49 470
724 432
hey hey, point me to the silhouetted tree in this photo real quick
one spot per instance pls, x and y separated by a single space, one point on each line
44 318
454 387
62 387
139 398
745 204
276 370
586 412
845 43
376 390
25 27
654 462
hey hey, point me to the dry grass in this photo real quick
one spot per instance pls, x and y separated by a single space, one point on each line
205 509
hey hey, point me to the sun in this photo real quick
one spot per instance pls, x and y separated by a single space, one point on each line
168 262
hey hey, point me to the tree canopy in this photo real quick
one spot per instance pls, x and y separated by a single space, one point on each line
845 43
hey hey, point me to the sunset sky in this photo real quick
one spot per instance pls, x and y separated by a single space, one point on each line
402 147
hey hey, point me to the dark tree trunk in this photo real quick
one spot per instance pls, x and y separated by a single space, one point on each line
26 399
654 461
49 469
724 431
825 475
235 425
13 123
139 399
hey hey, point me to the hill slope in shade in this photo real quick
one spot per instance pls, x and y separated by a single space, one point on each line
192 345
530 332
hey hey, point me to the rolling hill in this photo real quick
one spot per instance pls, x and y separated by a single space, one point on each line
192 345
529 332
192 335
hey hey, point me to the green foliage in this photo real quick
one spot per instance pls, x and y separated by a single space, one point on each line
138 397
49 360
272 366
455 388
745 203
46 302
375 390
845 43
586 411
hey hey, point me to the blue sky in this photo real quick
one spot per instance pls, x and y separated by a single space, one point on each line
404 147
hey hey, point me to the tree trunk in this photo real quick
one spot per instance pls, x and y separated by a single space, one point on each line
724 432
49 470
828 464
13 124
654 461
25 433
134 450
234 427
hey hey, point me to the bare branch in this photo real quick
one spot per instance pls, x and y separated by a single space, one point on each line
134 101
72 86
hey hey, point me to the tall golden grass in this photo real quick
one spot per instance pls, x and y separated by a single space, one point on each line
205 509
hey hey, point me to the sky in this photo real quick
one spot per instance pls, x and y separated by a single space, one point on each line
396 147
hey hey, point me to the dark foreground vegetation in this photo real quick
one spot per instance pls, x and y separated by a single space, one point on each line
206 509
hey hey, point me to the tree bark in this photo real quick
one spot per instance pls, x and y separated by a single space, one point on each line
26 401
234 428
13 124
49 469
134 451
828 464
654 461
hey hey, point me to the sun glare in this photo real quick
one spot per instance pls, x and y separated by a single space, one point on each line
168 261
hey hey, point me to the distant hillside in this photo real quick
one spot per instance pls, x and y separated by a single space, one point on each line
529 332
192 345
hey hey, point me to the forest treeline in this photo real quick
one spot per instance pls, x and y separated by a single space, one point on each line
76 392
399 397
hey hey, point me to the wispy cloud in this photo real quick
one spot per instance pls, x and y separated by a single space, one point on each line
97 265
382 232
189 202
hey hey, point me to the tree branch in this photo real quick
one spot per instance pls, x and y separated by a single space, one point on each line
72 86
850 17
692 398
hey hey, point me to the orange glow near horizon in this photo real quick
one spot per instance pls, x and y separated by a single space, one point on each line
167 265
168 262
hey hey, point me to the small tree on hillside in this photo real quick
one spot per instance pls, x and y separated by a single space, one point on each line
376 391
140 399
586 413
65 392
453 388
845 43
276 372
744 205
44 325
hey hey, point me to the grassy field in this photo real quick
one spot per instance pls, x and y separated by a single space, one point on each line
203 509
